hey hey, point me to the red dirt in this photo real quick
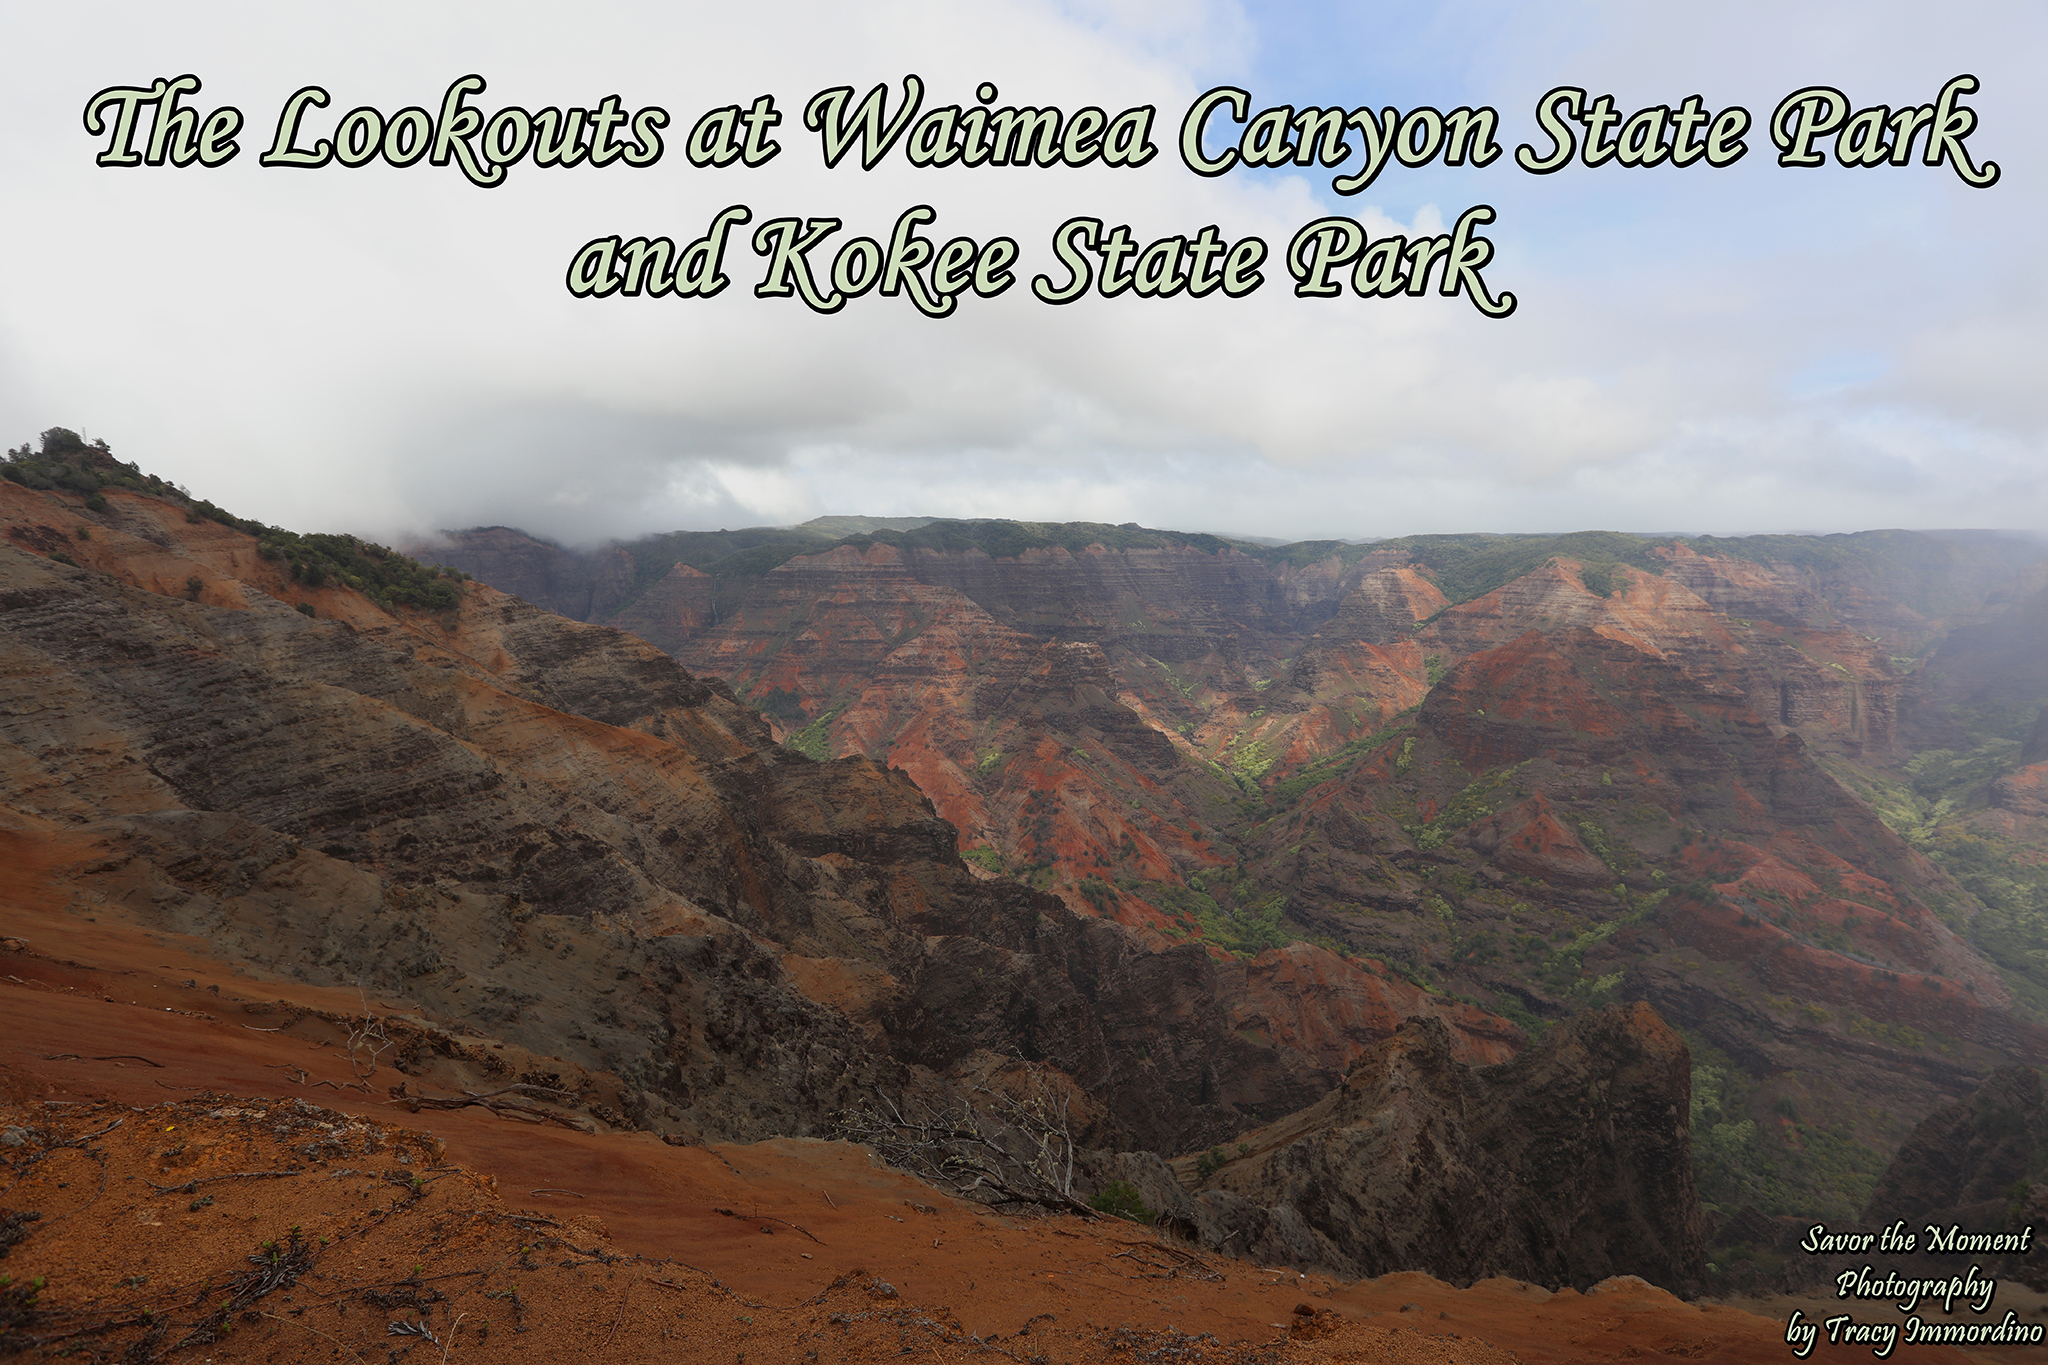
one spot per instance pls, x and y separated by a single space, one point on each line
641 1251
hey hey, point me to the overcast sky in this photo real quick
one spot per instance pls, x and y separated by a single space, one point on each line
387 350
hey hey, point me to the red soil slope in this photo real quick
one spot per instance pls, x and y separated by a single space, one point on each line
565 1240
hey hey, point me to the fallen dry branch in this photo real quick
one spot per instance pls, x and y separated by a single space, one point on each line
1191 1266
1185 1257
620 1316
112 1057
192 1185
305 1078
339 1343
489 1100
770 1218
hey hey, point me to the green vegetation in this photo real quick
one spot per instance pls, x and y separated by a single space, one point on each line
1618 856
1930 809
985 858
1565 967
1008 539
1469 566
1098 893
1478 800
781 703
1332 766
18 1311
1245 929
1252 761
64 461
813 741
385 576
1121 1199
1747 1153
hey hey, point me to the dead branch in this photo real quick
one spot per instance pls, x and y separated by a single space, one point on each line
367 1040
621 1317
771 1218
488 1099
192 1185
1005 1150
316 1332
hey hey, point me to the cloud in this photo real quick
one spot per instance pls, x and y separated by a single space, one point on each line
393 350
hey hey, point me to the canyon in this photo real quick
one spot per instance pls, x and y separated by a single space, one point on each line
1777 787
1667 884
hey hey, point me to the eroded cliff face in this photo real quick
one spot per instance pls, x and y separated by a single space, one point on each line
1835 687
1022 744
554 832
1561 1166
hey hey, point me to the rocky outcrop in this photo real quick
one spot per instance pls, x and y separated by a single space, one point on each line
679 607
1385 607
1835 687
1530 840
1962 1162
1026 745
2023 793
1564 1166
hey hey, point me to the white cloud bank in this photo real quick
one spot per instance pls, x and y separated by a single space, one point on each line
391 350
